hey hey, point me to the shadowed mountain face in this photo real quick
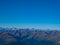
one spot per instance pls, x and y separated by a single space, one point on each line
28 37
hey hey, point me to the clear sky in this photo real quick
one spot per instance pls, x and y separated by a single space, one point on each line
30 13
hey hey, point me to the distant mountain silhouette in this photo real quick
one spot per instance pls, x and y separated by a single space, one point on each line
13 36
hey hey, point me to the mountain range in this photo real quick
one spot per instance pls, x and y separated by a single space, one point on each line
14 36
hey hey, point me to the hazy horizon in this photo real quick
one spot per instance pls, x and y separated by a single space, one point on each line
30 26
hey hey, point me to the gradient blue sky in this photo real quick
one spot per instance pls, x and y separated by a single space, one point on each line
30 13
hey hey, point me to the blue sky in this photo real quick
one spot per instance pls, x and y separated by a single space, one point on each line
30 13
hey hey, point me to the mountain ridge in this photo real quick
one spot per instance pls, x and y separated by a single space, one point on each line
27 36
